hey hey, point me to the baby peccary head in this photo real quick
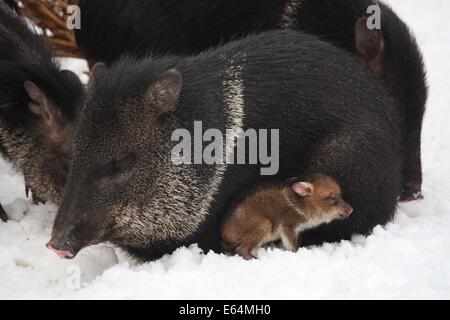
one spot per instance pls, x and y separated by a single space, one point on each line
274 212
319 200
117 156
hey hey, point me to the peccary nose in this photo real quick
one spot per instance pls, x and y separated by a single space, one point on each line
62 253
348 210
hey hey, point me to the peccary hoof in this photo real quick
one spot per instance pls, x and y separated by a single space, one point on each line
3 215
37 200
410 196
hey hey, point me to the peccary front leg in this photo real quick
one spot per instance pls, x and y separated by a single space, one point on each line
36 199
412 169
3 215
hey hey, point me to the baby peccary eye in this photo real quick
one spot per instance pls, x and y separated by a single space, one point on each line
333 199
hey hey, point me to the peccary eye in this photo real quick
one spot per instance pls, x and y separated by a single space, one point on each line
122 164
66 159
65 162
333 200
117 170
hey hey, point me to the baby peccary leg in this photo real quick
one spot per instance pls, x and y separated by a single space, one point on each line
245 251
289 237
3 215
252 241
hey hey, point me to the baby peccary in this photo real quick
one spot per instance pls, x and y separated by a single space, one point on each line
276 212
38 104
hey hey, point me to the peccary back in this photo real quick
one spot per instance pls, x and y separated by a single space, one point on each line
138 27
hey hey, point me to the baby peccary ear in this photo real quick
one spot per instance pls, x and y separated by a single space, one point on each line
163 93
369 46
303 189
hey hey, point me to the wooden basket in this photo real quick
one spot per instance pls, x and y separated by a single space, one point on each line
51 17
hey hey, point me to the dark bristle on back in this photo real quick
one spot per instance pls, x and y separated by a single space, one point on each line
114 28
12 4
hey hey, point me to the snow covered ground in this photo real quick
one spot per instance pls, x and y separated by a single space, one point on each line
409 258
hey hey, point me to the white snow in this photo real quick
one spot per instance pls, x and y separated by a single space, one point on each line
409 258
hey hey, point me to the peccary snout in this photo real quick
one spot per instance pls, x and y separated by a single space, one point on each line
63 254
75 229
63 241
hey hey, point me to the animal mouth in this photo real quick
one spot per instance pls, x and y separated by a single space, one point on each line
346 214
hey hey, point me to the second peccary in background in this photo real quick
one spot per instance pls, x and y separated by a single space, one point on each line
38 105
124 186
113 28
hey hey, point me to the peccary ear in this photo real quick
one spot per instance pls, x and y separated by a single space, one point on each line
95 71
40 104
303 189
98 68
164 92
369 46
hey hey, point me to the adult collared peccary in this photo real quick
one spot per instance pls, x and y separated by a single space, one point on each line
112 28
124 187
38 104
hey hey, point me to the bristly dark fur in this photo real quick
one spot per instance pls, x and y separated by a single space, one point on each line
12 4
124 188
24 139
113 28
